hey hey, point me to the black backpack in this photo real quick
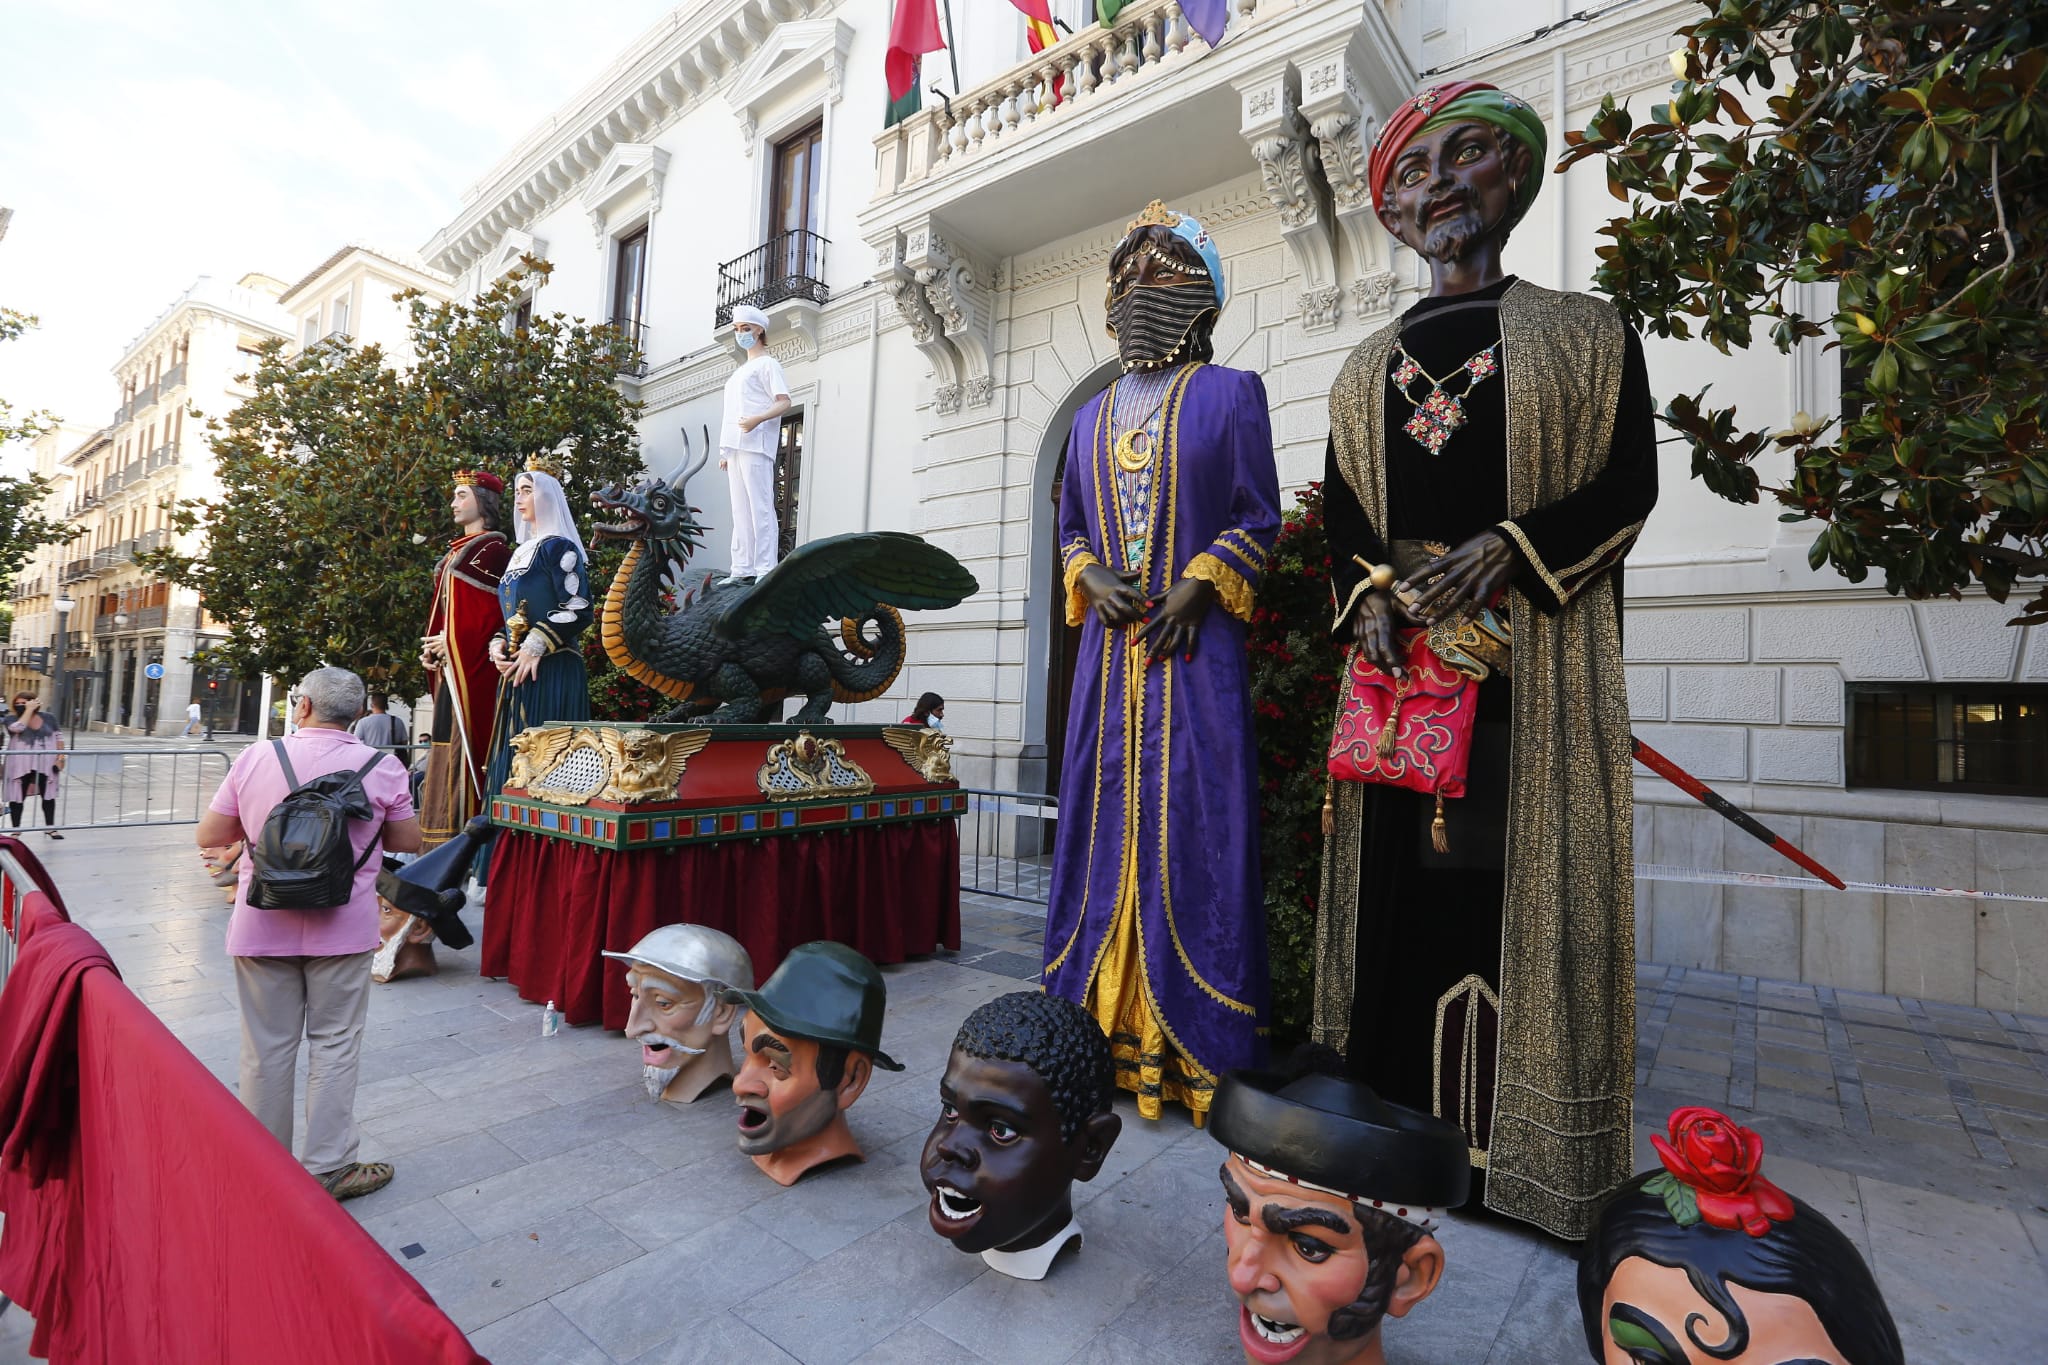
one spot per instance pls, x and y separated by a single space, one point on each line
303 860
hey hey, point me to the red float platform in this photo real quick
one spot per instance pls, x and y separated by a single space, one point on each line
775 834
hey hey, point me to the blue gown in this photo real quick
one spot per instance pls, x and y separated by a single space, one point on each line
554 585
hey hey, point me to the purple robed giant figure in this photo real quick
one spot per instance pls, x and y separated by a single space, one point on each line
1168 510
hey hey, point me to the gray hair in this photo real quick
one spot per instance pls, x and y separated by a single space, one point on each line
335 694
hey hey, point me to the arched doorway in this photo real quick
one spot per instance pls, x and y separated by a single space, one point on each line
1062 642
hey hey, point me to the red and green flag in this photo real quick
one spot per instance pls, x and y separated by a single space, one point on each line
1039 32
913 31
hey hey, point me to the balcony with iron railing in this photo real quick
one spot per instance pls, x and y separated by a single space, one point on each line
163 457
76 569
74 642
171 379
788 266
152 540
628 343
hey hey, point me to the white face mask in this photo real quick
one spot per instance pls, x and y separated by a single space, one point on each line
748 341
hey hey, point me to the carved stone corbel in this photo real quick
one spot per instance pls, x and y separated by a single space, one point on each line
957 289
1287 156
1336 114
893 270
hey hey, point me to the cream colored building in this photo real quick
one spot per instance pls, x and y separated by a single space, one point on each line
32 642
354 294
936 290
186 366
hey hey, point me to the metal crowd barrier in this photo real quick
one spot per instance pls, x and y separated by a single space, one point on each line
1006 843
112 788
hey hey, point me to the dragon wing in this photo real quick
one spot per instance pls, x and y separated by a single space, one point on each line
847 576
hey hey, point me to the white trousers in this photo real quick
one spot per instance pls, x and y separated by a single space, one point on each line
323 1001
751 480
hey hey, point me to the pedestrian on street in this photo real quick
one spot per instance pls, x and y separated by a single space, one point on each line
380 729
306 973
35 756
749 435
193 715
930 712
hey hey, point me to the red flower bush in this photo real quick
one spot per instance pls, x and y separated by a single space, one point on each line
1717 1162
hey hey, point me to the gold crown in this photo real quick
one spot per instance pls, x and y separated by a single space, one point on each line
545 462
1156 214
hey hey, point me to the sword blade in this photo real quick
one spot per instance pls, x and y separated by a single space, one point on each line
1728 810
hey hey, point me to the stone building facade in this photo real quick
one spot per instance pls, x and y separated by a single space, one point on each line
936 290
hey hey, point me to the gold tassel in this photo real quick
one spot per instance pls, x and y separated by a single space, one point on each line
1439 837
1329 810
1389 733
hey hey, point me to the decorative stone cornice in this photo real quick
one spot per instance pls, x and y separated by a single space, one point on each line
627 170
792 55
1335 109
895 273
957 290
671 68
1238 202
1286 155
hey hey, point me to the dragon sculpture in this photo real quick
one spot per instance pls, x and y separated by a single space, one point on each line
740 647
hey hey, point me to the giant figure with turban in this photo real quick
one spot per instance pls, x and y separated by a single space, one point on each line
1493 444
1168 510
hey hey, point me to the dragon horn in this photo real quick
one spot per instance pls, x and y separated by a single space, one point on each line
681 479
680 472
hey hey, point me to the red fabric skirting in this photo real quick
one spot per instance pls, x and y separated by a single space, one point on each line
891 892
149 1217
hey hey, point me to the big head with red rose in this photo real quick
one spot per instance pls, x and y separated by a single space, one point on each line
1705 1260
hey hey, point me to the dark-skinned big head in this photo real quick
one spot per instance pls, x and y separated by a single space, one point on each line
1453 190
1024 1112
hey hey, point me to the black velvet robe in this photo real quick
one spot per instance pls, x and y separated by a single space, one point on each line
1427 920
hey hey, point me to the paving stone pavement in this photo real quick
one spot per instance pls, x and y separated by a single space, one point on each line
563 1218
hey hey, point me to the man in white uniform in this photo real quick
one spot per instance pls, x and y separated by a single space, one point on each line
755 398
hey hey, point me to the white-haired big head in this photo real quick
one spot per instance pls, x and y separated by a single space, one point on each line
674 975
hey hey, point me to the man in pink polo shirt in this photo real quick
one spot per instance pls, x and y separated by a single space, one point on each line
306 973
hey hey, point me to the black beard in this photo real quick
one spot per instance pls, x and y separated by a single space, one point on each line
1454 238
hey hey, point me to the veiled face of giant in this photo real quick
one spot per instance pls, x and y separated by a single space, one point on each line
1454 188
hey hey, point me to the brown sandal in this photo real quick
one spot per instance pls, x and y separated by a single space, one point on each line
358 1178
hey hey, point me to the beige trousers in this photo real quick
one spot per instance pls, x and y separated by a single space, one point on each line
323 1000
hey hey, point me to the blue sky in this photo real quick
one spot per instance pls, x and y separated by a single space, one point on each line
145 144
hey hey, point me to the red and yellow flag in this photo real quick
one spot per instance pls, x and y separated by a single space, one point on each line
1040 33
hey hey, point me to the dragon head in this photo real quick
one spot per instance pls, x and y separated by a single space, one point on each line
650 510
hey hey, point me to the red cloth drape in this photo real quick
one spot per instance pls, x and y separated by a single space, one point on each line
149 1217
890 892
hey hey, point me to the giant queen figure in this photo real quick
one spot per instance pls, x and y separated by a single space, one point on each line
1169 507
544 605
456 652
1496 438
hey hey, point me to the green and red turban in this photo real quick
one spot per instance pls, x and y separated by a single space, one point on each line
1458 102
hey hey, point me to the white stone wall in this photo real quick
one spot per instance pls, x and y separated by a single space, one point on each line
1738 655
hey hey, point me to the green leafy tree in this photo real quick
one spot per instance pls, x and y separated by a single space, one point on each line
1897 151
335 475
23 527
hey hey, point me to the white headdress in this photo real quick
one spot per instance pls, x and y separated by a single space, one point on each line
551 517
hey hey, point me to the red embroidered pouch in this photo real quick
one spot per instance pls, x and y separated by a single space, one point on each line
1416 733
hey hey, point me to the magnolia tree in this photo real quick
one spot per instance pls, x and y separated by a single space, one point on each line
1898 152
335 475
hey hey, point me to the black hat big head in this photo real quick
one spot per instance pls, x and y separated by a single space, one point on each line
431 886
1336 1136
825 992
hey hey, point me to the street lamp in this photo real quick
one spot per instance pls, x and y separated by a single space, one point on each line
63 604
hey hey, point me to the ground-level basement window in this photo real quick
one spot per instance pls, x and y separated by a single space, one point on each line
1967 738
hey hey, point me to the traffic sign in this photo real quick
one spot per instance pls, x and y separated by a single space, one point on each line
153 671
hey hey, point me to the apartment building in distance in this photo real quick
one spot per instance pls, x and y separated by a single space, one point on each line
32 641
129 653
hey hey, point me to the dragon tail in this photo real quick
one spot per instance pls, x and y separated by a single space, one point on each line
866 670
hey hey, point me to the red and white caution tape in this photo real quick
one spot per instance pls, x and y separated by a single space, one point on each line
1660 872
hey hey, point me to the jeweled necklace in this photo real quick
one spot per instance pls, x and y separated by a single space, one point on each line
1147 394
1440 414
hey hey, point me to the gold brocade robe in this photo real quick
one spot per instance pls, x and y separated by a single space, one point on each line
1560 1137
